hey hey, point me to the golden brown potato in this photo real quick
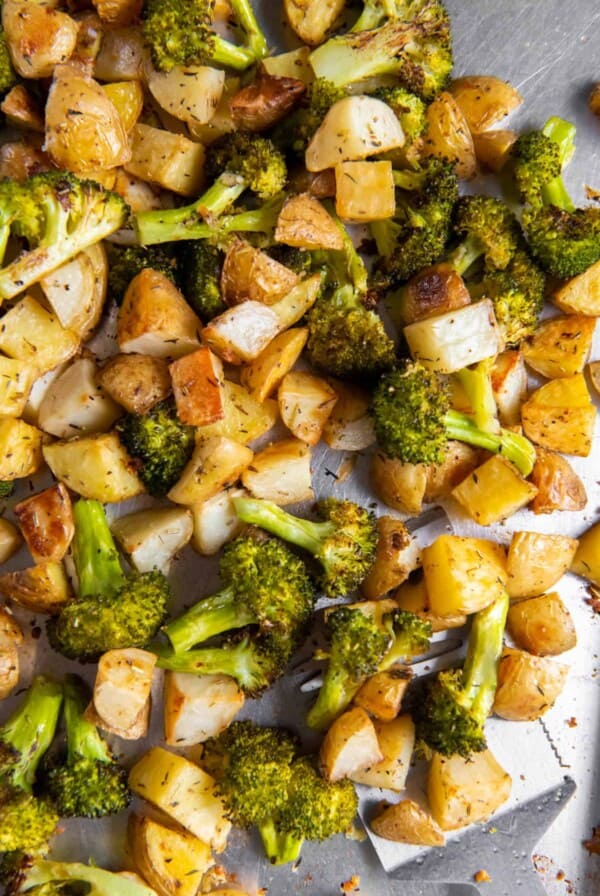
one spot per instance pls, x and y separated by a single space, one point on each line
197 707
136 382
493 148
364 191
22 110
170 160
128 99
594 100
509 385
560 416
280 473
397 555
245 419
42 589
250 274
432 291
76 291
350 745
171 861
484 100
559 487
465 791
459 461
312 19
189 93
382 693
586 562
11 638
448 135
407 822
396 740
305 403
560 346
535 562
46 521
265 101
118 12
463 575
10 540
398 484
494 491
263 375
581 294
452 340
39 36
349 427
31 333
527 685
542 625
215 464
20 449
198 387
304 223
122 688
412 596
19 159
96 467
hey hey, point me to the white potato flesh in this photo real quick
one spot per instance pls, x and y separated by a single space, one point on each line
16 379
350 745
122 686
355 128
197 707
75 404
396 740
450 341
152 538
96 467
281 473
190 93
242 332
216 463
76 291
465 791
30 333
509 384
215 521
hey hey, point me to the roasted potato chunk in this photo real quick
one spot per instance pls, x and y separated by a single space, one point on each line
11 638
382 694
542 625
305 223
432 291
559 487
465 791
448 135
46 521
250 274
312 19
305 403
397 555
463 575
96 467
560 346
281 473
364 191
396 740
398 484
484 100
350 745
586 562
528 686
560 416
198 707
136 382
581 294
494 491
265 101
42 589
172 861
263 375
10 540
407 822
536 561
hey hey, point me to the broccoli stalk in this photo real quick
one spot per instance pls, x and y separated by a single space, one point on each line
458 702
27 822
59 215
49 878
180 32
409 41
344 542
414 420
112 610
91 783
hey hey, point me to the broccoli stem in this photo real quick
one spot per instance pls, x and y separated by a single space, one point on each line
83 738
280 848
303 533
336 692
31 728
246 20
563 134
229 55
477 385
96 559
237 660
514 447
209 617
466 254
480 671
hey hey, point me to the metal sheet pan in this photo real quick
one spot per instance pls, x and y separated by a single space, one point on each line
549 50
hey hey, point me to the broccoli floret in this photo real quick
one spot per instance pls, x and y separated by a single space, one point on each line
265 783
451 719
411 112
417 235
201 265
27 822
517 293
8 76
89 783
238 162
410 40
7 487
295 131
487 229
126 262
360 644
59 215
160 443
344 543
266 585
346 338
45 878
112 610
180 32
254 661
413 421
565 240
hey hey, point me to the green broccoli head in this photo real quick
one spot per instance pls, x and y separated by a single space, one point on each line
8 76
181 32
160 443
447 726
537 162
410 635
201 265
6 488
126 262
517 293
253 158
409 406
27 823
489 230
564 243
409 109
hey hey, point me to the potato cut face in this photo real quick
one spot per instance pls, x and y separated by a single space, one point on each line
463 575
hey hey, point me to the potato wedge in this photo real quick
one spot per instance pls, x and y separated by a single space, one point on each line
448 136
311 20
459 461
10 540
197 707
43 588
536 561
354 128
136 382
382 693
264 374
216 463
398 484
11 638
190 93
40 37
463 575
364 191
244 418
305 403
265 101
494 491
96 467
30 333
169 160
20 449
407 822
172 861
484 100
466 791
155 319
250 274
198 387
281 473
493 148
350 745
76 291
397 555
153 537
509 385
559 487
241 333
185 792
560 416
16 379
528 686
450 341
560 346
586 562
542 625
305 223
396 740
46 522
581 294
74 404
215 521
122 686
